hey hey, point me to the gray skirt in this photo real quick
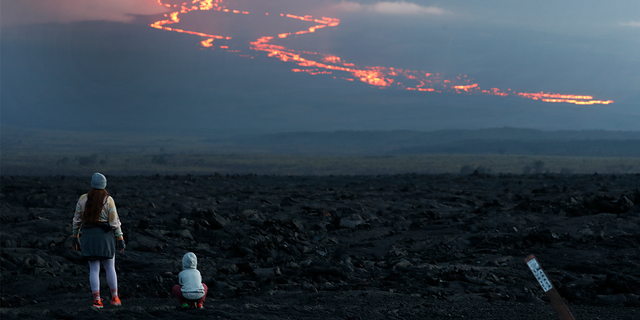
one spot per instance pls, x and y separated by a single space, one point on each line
97 244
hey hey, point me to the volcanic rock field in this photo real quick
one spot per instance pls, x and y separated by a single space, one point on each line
333 247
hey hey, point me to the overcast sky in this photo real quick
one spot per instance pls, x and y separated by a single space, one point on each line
98 65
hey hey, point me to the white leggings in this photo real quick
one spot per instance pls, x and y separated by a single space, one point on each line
109 268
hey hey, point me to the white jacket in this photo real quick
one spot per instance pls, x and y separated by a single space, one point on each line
190 278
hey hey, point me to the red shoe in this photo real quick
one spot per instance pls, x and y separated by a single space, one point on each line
199 305
115 301
97 304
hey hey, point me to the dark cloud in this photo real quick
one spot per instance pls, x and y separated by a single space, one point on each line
127 76
24 12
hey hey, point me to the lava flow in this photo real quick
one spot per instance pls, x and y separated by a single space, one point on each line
315 63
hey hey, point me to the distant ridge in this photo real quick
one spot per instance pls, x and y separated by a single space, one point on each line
599 143
583 148
502 141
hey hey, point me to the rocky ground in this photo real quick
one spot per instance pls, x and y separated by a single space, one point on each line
335 247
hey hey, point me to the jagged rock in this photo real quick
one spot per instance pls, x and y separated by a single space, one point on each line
8 265
287 202
38 200
297 224
350 224
611 300
362 246
185 234
218 222
264 274
144 224
403 263
144 243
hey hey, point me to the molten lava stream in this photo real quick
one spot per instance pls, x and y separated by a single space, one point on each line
315 63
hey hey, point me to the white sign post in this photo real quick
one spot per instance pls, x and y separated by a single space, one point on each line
551 292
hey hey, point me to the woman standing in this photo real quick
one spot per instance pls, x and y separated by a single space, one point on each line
97 220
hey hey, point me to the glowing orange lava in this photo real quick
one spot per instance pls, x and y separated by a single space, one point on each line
315 63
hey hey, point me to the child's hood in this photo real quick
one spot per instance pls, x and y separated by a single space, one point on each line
189 261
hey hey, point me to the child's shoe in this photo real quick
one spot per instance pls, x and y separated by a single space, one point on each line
97 304
184 306
199 305
115 301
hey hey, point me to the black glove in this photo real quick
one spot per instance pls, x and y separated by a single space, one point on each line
75 244
120 245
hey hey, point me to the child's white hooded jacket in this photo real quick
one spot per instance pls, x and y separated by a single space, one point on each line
190 278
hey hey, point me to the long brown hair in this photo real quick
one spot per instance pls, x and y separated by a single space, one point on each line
96 198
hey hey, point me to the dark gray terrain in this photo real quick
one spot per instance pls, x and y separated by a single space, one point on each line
333 247
515 141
